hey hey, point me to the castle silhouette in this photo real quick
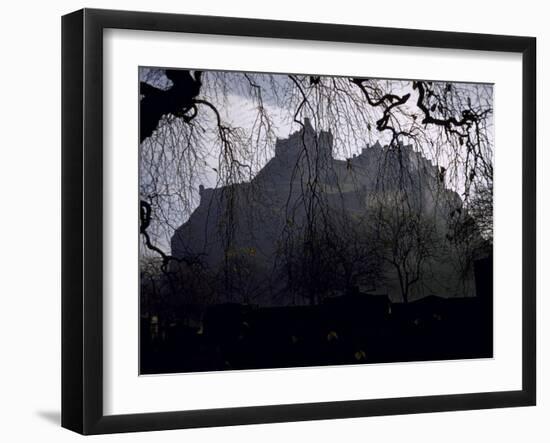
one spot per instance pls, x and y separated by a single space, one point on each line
247 226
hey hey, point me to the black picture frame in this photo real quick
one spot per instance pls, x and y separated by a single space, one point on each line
82 218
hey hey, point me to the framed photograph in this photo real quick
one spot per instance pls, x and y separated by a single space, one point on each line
270 221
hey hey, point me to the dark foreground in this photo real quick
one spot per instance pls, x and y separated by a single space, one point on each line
352 329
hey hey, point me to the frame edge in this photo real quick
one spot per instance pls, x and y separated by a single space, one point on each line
529 220
72 75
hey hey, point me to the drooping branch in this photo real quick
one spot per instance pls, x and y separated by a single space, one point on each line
145 215
178 100
468 115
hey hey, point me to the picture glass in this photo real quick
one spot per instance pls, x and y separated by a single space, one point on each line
294 220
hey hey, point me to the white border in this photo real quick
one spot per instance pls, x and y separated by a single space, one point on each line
126 392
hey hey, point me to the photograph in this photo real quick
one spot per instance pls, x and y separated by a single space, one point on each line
302 220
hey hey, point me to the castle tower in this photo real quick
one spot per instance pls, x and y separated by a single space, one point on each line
306 138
